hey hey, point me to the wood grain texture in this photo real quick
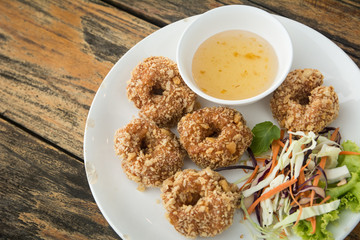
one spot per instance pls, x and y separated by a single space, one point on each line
53 58
355 234
337 20
164 12
44 193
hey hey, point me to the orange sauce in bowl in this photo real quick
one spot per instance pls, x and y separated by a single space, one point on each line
234 65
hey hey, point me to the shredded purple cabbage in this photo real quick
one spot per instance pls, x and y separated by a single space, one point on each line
318 190
306 156
306 182
324 174
327 130
252 156
234 167
293 209
257 208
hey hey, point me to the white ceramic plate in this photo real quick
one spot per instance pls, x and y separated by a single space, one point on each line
136 215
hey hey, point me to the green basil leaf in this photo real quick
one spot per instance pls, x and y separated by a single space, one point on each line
264 133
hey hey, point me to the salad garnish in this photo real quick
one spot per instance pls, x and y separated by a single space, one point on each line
264 133
300 182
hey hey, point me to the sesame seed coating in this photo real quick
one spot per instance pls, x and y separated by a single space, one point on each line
150 154
199 203
158 90
301 103
214 137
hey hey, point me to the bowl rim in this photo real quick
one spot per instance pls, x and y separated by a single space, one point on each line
246 101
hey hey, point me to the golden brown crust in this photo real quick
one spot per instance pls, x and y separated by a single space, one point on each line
149 154
158 90
199 203
301 103
214 137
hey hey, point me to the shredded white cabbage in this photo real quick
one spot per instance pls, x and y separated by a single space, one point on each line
337 174
324 140
308 212
292 155
331 153
265 182
296 152
268 206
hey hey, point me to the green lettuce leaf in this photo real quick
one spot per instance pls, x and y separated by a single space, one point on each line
304 228
337 192
351 200
264 133
351 161
349 194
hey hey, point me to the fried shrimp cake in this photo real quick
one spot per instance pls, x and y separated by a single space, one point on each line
199 203
150 154
301 103
158 90
214 137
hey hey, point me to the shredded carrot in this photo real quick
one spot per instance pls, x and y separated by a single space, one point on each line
316 181
245 170
261 160
282 133
299 216
307 164
280 143
290 137
297 203
322 165
275 150
302 173
325 200
313 224
301 178
295 200
317 178
271 193
334 134
349 153
251 177
282 234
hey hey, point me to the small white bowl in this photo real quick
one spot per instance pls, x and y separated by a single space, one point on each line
234 17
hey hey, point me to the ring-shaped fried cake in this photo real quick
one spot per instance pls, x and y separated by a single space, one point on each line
214 136
199 203
150 154
301 103
158 90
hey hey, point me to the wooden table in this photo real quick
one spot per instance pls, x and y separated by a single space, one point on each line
53 58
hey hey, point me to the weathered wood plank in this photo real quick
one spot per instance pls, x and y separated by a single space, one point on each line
338 20
53 57
354 235
44 193
163 12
